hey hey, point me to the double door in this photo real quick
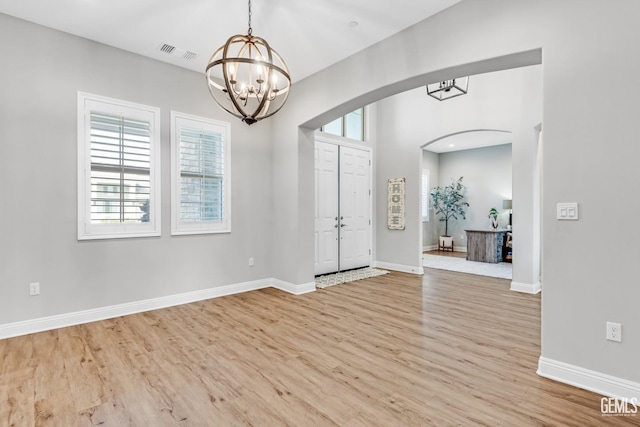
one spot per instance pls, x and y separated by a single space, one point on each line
342 208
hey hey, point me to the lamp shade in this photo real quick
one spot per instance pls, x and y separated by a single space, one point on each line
506 204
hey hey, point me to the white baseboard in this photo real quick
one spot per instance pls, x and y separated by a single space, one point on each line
86 316
399 267
429 248
527 288
596 382
293 289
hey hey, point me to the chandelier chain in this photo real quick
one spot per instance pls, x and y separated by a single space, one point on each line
250 29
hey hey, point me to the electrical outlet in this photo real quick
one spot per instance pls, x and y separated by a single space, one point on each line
34 289
614 331
250 262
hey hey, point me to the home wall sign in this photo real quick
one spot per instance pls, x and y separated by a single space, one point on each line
395 204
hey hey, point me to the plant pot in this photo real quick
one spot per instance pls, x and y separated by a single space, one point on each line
445 243
494 223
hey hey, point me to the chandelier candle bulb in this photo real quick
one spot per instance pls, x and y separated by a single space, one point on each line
231 73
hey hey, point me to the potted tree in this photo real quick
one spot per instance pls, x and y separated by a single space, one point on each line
449 204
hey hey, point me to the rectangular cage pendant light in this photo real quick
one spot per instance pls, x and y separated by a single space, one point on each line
447 89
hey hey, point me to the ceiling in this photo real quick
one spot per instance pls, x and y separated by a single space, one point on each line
309 35
469 140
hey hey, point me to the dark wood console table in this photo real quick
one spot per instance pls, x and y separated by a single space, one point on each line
485 245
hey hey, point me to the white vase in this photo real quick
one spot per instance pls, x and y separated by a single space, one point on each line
446 242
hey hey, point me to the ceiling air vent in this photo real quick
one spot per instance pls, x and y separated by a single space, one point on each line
176 52
167 48
189 56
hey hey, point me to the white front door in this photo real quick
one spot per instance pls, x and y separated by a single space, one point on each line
326 208
342 208
354 208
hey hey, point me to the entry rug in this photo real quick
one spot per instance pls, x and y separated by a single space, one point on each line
501 270
347 276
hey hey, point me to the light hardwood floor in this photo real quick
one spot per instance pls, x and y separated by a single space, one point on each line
395 350
447 253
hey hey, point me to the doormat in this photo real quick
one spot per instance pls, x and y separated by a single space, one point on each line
347 276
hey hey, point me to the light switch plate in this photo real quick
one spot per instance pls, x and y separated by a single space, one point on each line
567 211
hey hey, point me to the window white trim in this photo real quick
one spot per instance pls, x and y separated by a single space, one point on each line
425 195
178 227
88 103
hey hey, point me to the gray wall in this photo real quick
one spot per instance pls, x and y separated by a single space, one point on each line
38 182
589 150
487 178
431 162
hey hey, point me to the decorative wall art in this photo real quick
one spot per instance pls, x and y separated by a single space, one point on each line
395 204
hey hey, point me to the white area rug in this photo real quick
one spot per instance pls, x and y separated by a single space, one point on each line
347 276
501 270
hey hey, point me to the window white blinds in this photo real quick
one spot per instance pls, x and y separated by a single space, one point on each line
120 169
202 163
425 195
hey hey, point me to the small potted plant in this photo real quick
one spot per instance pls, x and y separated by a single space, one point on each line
449 203
493 215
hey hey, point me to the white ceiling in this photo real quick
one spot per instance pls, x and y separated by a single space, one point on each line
309 35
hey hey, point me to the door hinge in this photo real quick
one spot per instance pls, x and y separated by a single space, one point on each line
369 251
369 192
369 162
369 222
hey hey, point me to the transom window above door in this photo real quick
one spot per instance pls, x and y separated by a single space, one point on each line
349 126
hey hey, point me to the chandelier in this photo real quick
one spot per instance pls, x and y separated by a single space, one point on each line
448 89
247 78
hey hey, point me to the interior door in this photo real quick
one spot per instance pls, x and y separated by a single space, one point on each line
354 208
326 208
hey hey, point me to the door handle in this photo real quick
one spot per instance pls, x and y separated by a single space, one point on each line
342 225
336 226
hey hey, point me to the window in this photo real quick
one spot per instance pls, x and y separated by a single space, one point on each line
354 125
200 190
335 127
118 158
425 195
349 126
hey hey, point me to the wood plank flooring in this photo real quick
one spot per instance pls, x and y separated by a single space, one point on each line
394 350
447 253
